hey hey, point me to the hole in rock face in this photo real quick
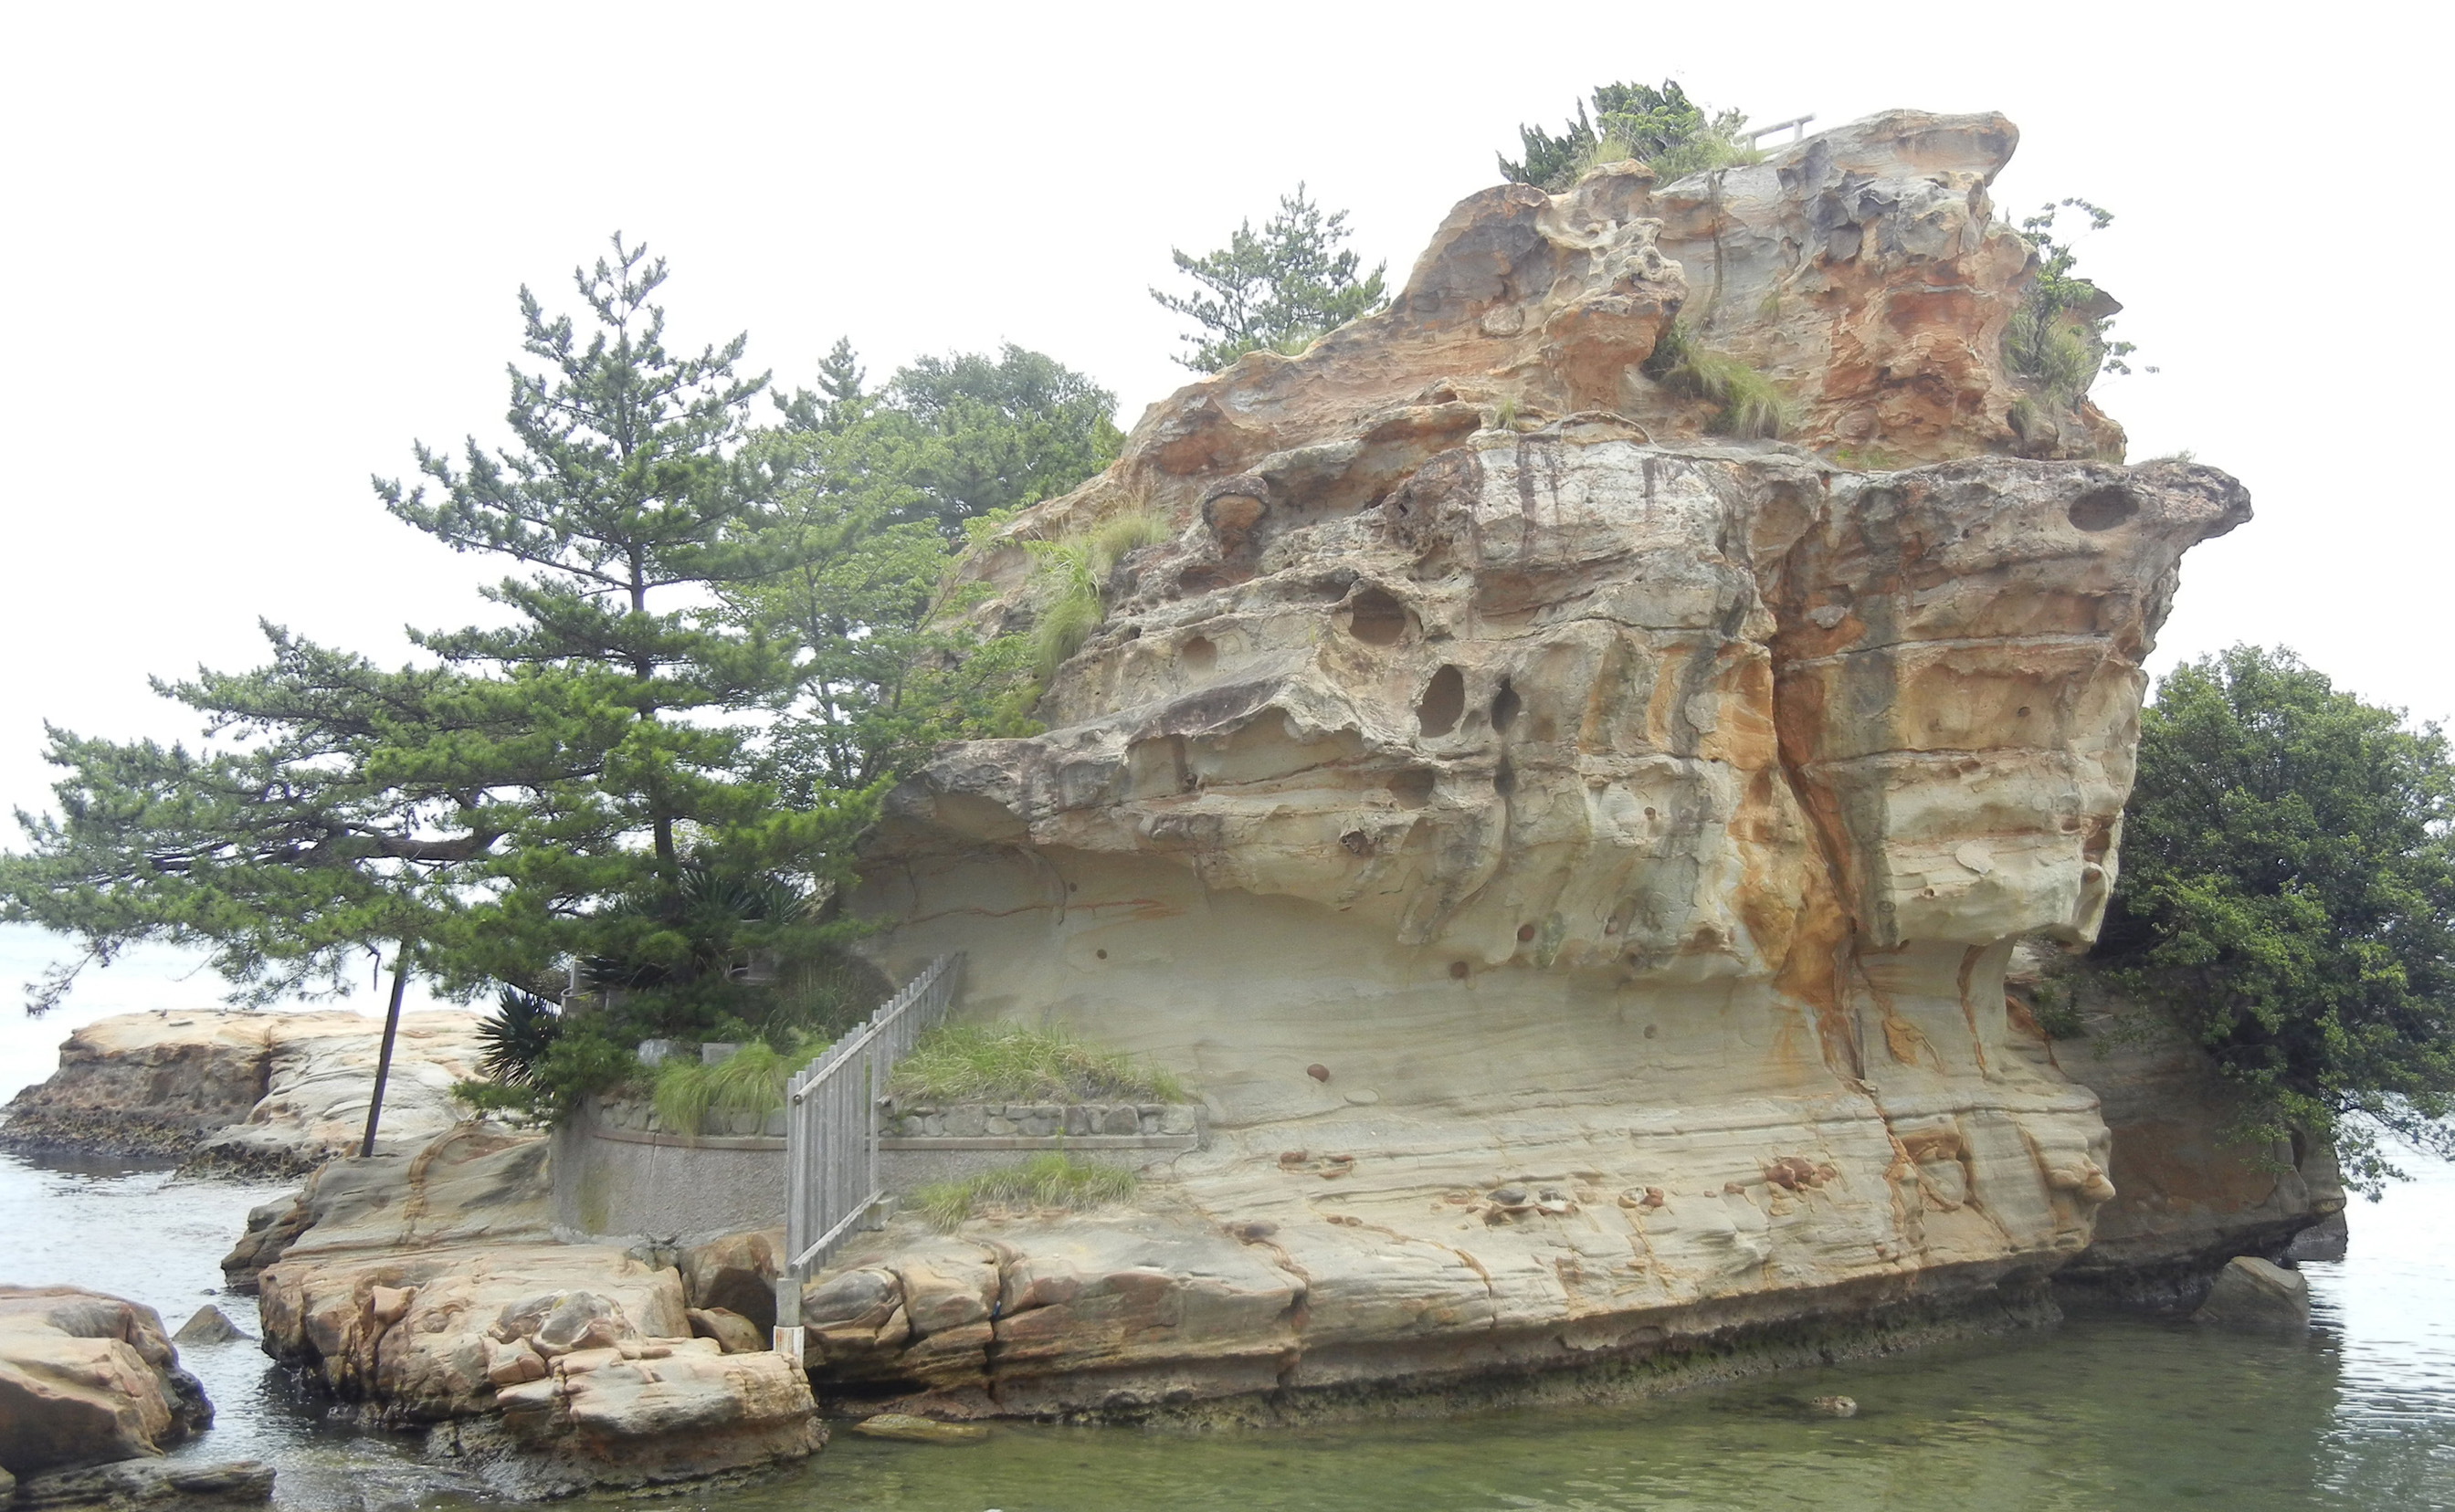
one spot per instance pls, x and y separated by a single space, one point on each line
1444 700
1199 653
1458 970
1505 780
2102 508
1356 842
1376 618
1650 814
2024 710
1525 933
1505 705
1412 788
1103 954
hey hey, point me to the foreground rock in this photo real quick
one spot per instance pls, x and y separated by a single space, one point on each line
429 1289
263 1093
2251 1293
1577 858
135 1486
87 1379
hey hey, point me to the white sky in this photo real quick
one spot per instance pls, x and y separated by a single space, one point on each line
256 251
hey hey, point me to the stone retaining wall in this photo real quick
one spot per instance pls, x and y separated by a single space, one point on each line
621 1173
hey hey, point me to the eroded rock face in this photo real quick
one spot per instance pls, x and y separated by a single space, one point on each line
2189 1198
1577 859
430 1288
261 1094
87 1379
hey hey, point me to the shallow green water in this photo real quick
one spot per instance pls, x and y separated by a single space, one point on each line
2095 1414
2110 1414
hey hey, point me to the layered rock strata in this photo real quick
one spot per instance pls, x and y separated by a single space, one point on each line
263 1093
1577 857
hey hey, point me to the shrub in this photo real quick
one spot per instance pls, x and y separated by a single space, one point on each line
2059 338
1751 405
998 1062
1669 131
1055 1179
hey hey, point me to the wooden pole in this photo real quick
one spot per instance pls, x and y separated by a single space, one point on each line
384 1057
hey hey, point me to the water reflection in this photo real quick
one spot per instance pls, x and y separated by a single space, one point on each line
2102 1413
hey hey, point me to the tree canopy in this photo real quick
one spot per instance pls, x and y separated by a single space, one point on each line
1281 288
717 646
2288 887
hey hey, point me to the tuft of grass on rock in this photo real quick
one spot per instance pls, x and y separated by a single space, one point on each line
1752 407
1070 579
1014 1063
1054 1180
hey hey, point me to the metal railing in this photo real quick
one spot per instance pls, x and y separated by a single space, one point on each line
1797 127
831 1125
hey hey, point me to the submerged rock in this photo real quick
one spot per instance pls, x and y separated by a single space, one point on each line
86 1379
2253 1293
135 1486
907 1429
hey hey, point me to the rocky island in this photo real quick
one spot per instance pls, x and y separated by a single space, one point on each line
1594 870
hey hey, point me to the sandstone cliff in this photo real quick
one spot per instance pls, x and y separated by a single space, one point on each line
270 1094
1577 858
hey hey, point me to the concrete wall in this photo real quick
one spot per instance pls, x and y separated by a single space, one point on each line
631 1183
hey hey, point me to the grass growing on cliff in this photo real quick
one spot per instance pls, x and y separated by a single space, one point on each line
1070 579
1752 406
1055 1179
690 1093
1011 1063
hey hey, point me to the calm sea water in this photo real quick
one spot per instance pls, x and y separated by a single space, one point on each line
2097 1415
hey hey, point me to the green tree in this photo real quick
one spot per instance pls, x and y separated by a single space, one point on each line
884 668
999 435
345 818
1281 288
1670 132
625 482
2288 887
2061 336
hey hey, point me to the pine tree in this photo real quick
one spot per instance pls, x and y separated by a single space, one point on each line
1281 288
624 496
